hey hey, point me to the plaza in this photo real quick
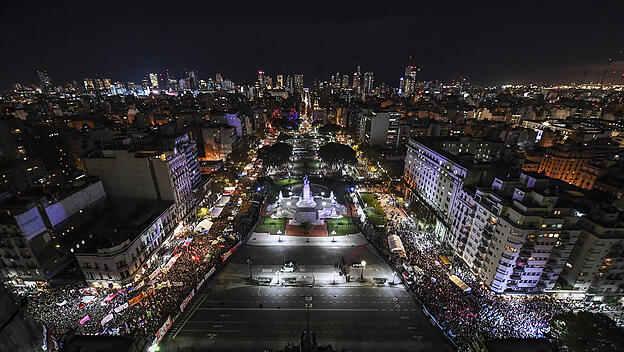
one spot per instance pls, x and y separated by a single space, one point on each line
234 313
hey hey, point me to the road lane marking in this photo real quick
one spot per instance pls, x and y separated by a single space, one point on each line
297 309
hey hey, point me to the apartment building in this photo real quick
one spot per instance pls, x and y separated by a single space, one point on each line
565 162
152 175
379 128
32 231
596 266
515 236
123 240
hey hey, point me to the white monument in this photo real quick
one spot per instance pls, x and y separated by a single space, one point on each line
307 207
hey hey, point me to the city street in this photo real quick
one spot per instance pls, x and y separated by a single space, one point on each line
233 315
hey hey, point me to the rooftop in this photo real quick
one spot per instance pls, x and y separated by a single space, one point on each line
119 220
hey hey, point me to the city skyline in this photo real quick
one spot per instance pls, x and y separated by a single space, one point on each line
488 45
310 177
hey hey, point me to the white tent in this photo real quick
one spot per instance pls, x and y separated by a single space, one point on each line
396 245
204 225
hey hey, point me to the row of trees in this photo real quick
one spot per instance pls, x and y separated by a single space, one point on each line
334 154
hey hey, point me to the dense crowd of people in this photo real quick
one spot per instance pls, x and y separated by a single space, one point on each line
141 309
464 314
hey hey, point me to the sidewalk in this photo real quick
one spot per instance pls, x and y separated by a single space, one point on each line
265 239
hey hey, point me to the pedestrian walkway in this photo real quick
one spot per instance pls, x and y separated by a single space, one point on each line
266 239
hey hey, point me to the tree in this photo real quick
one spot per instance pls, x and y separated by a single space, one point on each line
276 154
329 128
587 332
336 154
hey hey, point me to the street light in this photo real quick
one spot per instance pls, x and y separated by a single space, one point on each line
362 273
250 263
308 305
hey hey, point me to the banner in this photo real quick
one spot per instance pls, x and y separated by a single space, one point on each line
231 251
121 307
107 318
87 299
162 331
136 299
110 297
44 346
209 273
186 301
170 262
88 291
138 286
85 319
200 283
154 274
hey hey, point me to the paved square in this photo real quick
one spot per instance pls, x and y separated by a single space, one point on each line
230 314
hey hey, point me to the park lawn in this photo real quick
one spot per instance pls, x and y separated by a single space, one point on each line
286 182
371 202
270 225
374 212
342 226
374 218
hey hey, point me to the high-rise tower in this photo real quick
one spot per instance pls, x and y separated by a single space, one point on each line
46 82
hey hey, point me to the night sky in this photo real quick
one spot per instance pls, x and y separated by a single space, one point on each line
490 43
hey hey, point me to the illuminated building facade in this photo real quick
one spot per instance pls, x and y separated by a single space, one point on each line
513 236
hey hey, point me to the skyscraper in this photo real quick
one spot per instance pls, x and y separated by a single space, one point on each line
410 80
289 83
107 83
345 81
192 79
298 83
280 81
356 79
369 80
153 80
46 82
88 84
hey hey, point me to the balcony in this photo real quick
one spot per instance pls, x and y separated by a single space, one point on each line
486 235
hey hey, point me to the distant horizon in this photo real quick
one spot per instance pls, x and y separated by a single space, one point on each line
609 78
489 43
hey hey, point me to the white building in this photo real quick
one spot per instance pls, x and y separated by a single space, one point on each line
29 248
514 236
437 176
597 262
120 250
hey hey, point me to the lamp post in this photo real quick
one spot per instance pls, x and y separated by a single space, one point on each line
250 263
308 305
362 273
